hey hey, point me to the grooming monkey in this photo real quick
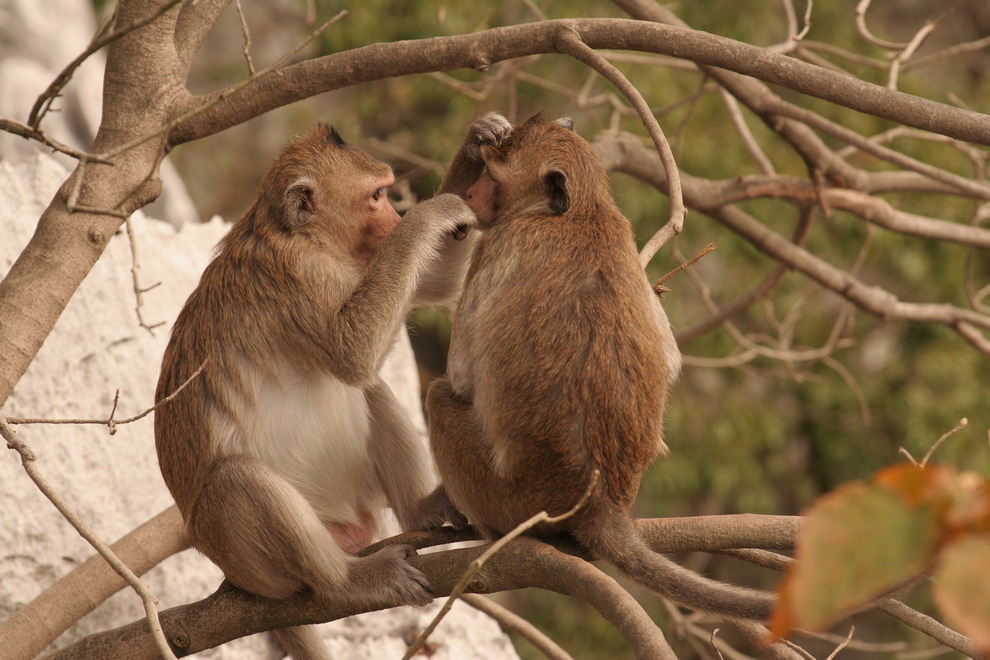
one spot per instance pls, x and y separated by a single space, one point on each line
560 363
283 452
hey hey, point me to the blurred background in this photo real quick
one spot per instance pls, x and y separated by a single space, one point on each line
758 435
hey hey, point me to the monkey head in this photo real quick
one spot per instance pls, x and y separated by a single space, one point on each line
531 172
317 188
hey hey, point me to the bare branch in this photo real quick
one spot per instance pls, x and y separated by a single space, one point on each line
511 621
89 584
633 159
223 94
568 41
479 50
110 422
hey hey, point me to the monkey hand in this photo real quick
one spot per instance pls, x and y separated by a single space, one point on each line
388 576
445 213
487 129
436 509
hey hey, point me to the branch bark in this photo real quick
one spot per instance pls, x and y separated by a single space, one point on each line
242 614
482 49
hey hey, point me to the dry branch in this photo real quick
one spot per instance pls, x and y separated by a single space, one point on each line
626 154
482 49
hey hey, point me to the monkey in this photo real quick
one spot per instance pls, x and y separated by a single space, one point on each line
282 453
560 362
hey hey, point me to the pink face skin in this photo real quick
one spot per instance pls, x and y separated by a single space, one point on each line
380 217
480 197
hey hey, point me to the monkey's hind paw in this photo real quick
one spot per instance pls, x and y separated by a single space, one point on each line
389 576
436 509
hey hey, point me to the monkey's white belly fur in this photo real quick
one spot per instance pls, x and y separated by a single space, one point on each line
313 430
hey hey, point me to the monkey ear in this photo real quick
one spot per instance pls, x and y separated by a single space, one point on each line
566 122
336 139
299 205
555 187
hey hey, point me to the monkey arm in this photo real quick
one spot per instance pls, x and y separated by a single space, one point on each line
443 283
399 458
466 166
364 330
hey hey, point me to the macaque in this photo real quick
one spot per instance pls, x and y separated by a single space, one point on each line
283 452
560 363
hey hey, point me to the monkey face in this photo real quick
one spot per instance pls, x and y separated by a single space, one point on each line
377 216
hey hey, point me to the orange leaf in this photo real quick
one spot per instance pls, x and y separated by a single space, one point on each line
856 544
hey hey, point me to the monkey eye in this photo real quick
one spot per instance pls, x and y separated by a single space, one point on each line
380 193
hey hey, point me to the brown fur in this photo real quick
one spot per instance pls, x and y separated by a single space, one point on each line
561 361
283 452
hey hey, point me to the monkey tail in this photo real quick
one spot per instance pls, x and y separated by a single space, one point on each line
302 643
618 542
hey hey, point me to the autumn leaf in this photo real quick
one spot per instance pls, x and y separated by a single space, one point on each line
856 544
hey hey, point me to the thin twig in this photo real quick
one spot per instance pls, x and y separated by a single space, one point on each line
28 460
135 283
478 562
911 49
844 644
569 42
511 621
749 141
807 22
25 131
110 422
659 287
247 38
963 423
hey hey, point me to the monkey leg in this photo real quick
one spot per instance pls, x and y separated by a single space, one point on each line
268 540
400 459
465 460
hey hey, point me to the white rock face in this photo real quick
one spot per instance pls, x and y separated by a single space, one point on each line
113 482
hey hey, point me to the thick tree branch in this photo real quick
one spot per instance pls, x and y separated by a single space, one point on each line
230 613
480 50
162 536
769 106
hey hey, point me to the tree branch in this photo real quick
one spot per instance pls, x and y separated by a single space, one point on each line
481 49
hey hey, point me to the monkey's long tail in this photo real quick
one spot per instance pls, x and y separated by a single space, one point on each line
302 643
620 544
